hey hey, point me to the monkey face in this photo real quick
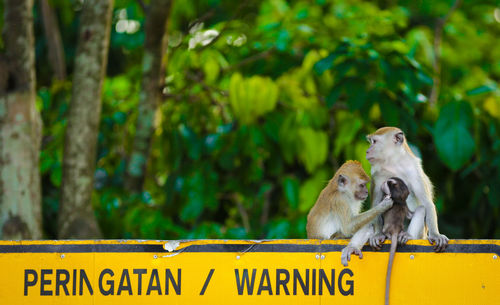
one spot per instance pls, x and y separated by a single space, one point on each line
383 142
361 191
399 190
352 179
372 150
355 186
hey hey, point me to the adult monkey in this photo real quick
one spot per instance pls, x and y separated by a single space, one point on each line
390 156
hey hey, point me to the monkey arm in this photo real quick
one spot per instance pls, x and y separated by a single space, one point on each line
357 241
377 195
359 221
360 238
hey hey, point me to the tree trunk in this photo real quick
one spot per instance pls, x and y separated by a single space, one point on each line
76 215
20 127
153 77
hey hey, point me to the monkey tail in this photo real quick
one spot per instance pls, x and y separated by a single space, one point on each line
394 244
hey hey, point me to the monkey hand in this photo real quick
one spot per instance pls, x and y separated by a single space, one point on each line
439 241
346 254
377 240
386 203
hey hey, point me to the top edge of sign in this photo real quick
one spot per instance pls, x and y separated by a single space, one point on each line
231 246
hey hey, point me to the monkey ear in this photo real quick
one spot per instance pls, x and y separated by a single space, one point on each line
342 181
399 138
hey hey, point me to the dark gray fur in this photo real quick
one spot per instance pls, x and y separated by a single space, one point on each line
394 223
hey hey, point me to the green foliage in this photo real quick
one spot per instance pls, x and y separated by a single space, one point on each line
314 148
255 122
251 98
453 139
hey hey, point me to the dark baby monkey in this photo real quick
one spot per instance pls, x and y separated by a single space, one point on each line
394 223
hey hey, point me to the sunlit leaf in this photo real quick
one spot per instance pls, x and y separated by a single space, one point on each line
252 97
492 106
310 189
314 148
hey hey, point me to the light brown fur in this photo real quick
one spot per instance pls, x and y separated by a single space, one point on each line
336 211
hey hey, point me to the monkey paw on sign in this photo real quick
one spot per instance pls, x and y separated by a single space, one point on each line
403 237
439 241
345 257
377 240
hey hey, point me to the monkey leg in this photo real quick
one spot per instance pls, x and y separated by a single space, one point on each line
377 238
417 223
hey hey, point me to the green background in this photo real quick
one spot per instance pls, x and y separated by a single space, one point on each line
255 122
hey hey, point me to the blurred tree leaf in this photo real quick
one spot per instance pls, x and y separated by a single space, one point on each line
252 97
492 106
291 190
310 189
482 89
278 229
452 137
314 148
348 128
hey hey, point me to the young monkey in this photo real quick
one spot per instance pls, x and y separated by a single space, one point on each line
394 222
336 213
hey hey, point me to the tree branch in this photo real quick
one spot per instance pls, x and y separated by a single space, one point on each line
243 214
264 217
54 42
262 55
438 37
203 18
142 5
208 91
153 80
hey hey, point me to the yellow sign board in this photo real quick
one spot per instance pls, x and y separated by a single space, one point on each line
244 272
